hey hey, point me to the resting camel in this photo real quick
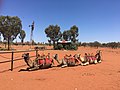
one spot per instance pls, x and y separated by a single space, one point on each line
67 61
90 59
99 56
84 60
38 63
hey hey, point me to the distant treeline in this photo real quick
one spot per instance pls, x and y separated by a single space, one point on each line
26 43
97 44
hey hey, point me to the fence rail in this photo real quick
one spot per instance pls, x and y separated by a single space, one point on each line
6 52
13 59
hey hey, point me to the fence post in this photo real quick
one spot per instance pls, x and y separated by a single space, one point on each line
12 57
36 52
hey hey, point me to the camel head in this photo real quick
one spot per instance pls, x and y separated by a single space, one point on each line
98 51
26 57
98 54
78 56
55 56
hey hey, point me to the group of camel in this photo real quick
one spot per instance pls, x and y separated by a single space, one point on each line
45 61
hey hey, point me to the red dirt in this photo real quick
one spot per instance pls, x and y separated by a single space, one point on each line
104 76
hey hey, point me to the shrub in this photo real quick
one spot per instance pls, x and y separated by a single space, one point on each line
74 46
67 47
60 46
56 47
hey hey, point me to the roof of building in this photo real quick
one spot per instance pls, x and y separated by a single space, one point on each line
63 41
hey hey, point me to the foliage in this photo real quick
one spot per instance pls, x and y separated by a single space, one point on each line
113 45
3 49
22 35
53 32
84 44
74 46
33 42
67 35
60 46
49 42
66 47
10 27
97 44
72 34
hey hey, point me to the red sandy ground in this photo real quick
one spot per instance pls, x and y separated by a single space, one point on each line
104 76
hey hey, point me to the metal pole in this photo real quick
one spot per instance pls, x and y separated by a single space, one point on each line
31 35
31 39
12 57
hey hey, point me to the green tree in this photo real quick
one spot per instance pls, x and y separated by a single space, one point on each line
84 44
74 33
113 45
10 27
67 35
96 44
53 32
22 36
49 42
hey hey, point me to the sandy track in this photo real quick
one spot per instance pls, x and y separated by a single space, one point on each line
104 76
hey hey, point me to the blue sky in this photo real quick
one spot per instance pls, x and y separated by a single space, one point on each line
98 20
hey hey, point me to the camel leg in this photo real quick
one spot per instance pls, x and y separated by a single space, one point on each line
35 66
81 64
64 64
46 66
92 61
85 64
95 62
33 69
99 61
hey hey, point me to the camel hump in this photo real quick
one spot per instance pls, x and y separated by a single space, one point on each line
91 57
72 59
45 61
40 61
48 61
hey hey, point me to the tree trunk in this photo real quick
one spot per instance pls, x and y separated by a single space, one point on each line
8 43
22 42
54 44
5 44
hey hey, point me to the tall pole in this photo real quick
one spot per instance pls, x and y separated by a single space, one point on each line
12 57
31 39
0 37
31 35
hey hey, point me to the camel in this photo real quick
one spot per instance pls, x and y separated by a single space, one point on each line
99 56
84 60
67 61
95 59
90 59
37 63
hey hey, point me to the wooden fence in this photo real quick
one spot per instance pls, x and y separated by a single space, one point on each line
12 60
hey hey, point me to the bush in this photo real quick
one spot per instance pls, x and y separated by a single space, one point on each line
60 46
3 49
56 47
67 47
74 46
